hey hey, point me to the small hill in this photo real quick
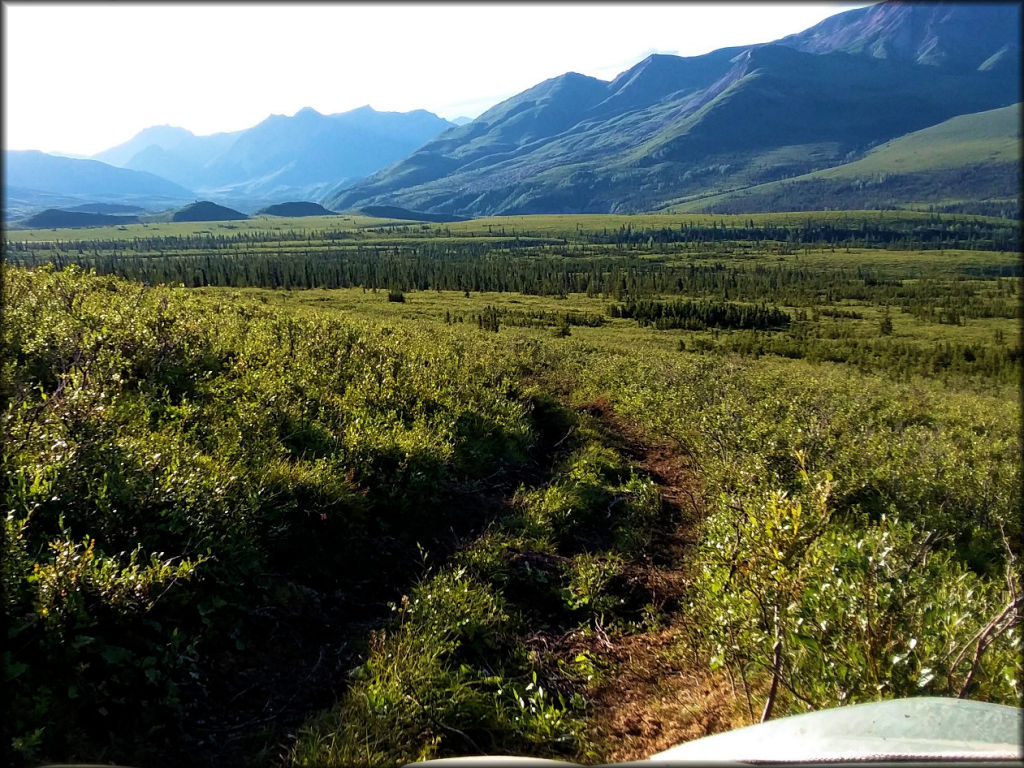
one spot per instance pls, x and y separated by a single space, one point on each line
204 210
394 212
55 218
294 209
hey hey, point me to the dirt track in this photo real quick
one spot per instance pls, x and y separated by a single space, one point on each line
657 694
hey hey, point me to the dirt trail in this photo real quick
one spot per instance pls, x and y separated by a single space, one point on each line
655 695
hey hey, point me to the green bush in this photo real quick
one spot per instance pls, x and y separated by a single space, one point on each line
238 445
449 677
855 613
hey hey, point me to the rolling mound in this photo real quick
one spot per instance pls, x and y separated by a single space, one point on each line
56 218
294 209
204 210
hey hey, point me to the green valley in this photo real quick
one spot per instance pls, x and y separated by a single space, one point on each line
339 490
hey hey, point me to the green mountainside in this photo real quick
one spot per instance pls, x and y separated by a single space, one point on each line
968 164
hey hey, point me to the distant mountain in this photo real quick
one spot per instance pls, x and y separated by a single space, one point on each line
53 218
173 153
36 180
179 142
204 210
282 158
462 120
294 209
672 127
967 164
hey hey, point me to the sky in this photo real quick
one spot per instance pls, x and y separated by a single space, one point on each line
82 77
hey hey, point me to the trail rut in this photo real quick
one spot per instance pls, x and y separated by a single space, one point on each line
656 695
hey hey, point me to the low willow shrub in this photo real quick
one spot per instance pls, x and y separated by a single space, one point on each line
865 527
451 675
842 614
170 457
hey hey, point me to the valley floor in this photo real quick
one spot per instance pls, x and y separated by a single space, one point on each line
566 490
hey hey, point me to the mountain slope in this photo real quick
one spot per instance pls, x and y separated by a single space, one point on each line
171 152
969 164
673 126
951 35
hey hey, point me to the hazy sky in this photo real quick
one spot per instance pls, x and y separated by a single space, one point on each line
82 77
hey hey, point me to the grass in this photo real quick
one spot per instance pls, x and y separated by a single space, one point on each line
431 307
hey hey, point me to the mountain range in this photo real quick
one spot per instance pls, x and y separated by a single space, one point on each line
282 158
673 128
36 180
841 114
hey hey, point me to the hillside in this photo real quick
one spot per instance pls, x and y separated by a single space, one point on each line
947 35
672 126
204 210
970 164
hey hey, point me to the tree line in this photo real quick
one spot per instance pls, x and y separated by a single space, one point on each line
700 315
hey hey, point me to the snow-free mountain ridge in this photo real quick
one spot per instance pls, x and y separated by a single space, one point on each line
672 128
668 131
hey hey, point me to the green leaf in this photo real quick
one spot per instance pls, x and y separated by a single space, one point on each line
115 654
14 670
